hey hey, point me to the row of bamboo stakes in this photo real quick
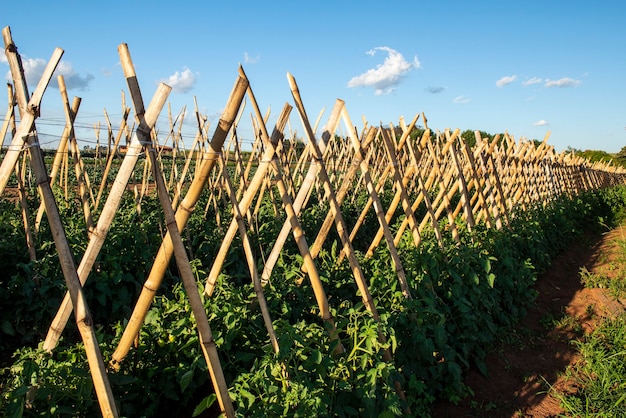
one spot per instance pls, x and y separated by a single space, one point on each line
433 172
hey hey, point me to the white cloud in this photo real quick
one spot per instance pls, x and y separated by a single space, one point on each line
541 122
505 81
563 82
34 68
250 60
461 100
531 81
435 90
72 79
181 81
385 77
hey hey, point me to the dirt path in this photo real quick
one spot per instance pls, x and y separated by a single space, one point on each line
537 353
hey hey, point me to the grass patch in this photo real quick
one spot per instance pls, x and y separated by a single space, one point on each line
612 276
601 375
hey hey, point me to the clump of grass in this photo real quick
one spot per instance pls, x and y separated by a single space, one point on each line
601 375
615 279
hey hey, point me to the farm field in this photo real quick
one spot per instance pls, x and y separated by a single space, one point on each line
354 272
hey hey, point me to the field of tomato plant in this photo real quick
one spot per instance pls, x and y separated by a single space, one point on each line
342 274
461 297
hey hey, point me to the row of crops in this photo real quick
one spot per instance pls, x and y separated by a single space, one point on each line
344 273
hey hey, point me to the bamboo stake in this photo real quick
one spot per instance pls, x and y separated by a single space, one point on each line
378 206
111 155
248 196
81 173
10 115
254 274
182 261
415 156
341 226
29 135
108 212
28 230
195 149
296 228
301 196
443 184
183 212
465 198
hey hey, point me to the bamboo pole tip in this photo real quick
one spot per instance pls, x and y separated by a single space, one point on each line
292 81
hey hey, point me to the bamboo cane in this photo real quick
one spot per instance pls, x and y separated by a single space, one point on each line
182 261
465 198
357 164
378 207
183 212
28 109
106 217
341 226
10 115
248 196
81 173
111 155
28 229
443 184
301 196
296 228
252 267
27 134
195 149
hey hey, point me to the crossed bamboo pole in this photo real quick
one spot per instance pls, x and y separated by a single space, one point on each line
493 181
27 135
183 212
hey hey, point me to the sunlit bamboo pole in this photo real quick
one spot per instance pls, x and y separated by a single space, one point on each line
108 213
195 149
79 168
423 187
207 342
480 184
462 181
10 115
357 273
443 181
250 259
368 205
28 230
301 196
28 109
378 206
248 196
359 162
183 212
491 167
111 155
27 134
401 193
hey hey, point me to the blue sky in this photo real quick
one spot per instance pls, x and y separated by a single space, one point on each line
522 67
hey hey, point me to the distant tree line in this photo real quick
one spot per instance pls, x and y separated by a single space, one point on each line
618 159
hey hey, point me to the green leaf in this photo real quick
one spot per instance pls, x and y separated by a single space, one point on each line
185 380
204 404
7 328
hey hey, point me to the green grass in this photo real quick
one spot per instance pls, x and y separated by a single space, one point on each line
601 375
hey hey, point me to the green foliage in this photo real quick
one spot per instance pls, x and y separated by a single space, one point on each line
461 297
